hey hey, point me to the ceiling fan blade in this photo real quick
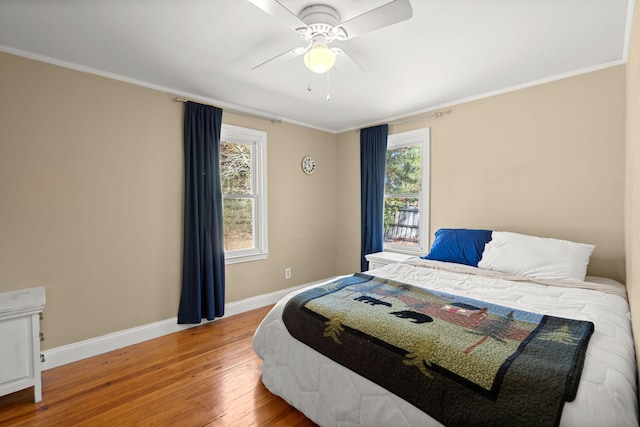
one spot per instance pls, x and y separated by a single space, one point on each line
388 14
283 57
345 63
277 10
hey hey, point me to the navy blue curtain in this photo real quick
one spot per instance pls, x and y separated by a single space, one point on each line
203 251
373 154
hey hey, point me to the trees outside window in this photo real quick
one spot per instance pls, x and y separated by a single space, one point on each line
406 209
243 176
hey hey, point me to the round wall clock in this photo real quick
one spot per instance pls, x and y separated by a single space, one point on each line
308 165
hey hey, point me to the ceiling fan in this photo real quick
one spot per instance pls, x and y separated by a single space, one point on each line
319 25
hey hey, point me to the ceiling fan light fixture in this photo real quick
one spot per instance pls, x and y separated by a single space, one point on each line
319 59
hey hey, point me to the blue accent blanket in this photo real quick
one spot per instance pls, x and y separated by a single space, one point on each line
462 361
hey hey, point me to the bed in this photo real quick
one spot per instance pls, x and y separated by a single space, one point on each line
473 270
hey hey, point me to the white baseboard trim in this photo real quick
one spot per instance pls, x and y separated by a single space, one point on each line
65 354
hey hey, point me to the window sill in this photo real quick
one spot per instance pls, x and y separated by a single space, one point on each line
237 259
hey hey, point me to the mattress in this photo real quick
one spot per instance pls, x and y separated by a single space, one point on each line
332 395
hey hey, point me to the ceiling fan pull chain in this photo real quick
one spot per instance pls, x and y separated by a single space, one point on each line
328 95
309 84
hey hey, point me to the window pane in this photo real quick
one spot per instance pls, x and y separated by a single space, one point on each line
403 170
235 168
402 221
238 224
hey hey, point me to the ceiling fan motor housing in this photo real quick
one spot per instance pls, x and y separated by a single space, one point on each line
322 20
319 14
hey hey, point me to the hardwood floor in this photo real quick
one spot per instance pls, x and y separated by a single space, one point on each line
203 376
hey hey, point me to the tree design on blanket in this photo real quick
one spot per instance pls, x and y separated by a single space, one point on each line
334 327
561 335
496 329
421 355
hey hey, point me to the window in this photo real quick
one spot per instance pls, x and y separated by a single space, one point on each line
406 198
243 161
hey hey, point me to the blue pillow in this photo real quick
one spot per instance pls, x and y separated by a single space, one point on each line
459 245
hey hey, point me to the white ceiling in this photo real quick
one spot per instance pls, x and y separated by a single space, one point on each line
449 51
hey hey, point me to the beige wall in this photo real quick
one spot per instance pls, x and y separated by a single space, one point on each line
302 211
632 195
91 187
91 176
546 160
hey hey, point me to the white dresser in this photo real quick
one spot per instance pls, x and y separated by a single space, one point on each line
380 259
20 340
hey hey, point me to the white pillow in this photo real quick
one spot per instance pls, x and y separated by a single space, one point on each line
538 257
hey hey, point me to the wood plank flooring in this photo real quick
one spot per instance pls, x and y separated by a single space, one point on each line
203 376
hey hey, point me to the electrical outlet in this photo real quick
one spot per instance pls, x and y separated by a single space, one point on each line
287 273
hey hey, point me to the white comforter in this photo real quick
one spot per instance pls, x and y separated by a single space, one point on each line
332 395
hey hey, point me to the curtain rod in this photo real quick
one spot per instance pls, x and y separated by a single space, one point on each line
437 115
242 113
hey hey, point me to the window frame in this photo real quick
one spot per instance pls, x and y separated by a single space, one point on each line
404 139
258 139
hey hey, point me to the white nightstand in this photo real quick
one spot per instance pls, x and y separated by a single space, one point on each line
20 340
380 259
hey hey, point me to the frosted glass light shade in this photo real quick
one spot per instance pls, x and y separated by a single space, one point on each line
319 59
